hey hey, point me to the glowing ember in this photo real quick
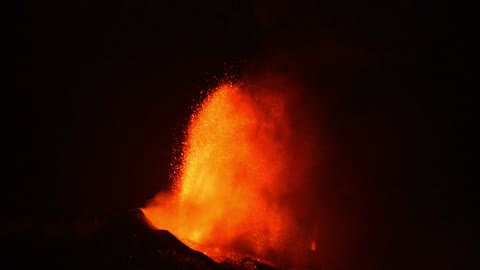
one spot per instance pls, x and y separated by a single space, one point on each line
234 174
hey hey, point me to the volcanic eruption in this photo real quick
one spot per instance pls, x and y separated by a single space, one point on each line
243 161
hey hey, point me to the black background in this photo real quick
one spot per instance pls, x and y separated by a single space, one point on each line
104 89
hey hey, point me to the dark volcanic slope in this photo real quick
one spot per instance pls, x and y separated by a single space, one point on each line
129 242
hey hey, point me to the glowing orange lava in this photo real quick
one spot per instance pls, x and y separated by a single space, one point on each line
234 173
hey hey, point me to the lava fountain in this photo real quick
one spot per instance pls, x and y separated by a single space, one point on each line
238 170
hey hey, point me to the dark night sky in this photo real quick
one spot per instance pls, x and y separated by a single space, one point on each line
104 88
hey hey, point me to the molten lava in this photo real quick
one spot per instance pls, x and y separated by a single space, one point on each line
230 189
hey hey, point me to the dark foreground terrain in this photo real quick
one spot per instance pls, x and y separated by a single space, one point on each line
125 242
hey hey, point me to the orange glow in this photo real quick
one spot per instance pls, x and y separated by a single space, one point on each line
230 187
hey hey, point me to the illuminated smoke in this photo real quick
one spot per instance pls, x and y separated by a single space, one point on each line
242 160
